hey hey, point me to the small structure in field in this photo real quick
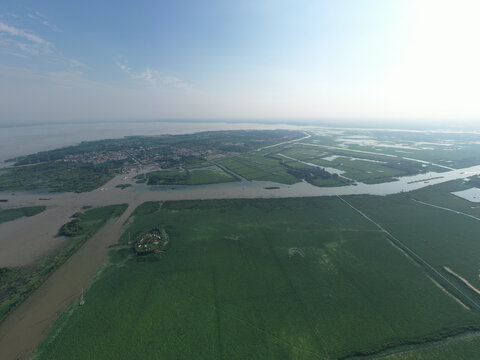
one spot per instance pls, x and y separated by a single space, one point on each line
295 251
154 241
82 299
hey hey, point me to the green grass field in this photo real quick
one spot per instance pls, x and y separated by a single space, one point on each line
12 214
58 176
195 176
455 150
466 349
228 287
442 238
366 168
255 166
269 166
280 164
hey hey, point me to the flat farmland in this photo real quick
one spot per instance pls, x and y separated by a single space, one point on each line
362 167
464 349
274 279
455 150
255 166
279 164
446 238
194 176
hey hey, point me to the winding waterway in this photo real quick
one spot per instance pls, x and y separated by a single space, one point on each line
26 327
242 189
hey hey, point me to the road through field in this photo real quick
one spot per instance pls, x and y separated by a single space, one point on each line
378 154
412 254
447 209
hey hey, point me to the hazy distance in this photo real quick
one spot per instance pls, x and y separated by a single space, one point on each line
355 60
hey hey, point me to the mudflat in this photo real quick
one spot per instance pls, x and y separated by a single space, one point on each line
25 328
28 239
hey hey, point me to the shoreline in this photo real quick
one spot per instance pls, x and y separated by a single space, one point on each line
23 330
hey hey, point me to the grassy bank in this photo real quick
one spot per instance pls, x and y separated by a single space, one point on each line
12 214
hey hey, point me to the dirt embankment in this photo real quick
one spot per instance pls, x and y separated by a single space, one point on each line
452 296
462 279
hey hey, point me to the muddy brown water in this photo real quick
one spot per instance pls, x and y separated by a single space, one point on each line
28 239
24 329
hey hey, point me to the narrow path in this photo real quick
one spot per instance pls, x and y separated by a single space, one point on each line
23 330
426 346
379 154
228 171
412 254
447 209
427 163
286 142
351 150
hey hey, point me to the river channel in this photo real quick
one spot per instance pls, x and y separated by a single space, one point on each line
26 327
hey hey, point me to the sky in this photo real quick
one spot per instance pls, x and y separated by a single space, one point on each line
295 60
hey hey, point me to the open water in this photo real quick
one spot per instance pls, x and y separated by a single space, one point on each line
24 140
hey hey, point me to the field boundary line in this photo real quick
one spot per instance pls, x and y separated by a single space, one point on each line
250 324
380 154
217 310
449 294
426 346
351 150
446 209
399 244
462 279
229 171
307 136
298 298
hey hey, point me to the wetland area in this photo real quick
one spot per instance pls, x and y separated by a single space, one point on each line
230 269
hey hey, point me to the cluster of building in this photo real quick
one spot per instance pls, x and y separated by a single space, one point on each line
97 157
137 155
154 241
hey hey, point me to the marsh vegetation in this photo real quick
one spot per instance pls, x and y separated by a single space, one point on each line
231 285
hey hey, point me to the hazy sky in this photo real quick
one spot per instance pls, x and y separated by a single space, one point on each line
232 59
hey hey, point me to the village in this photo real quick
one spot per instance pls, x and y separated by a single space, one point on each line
137 156
153 242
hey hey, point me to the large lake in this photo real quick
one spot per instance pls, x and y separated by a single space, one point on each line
24 140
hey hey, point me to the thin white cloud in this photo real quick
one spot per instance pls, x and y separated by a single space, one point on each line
173 82
75 62
34 49
147 75
12 30
16 40
21 43
154 77
41 19
123 67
